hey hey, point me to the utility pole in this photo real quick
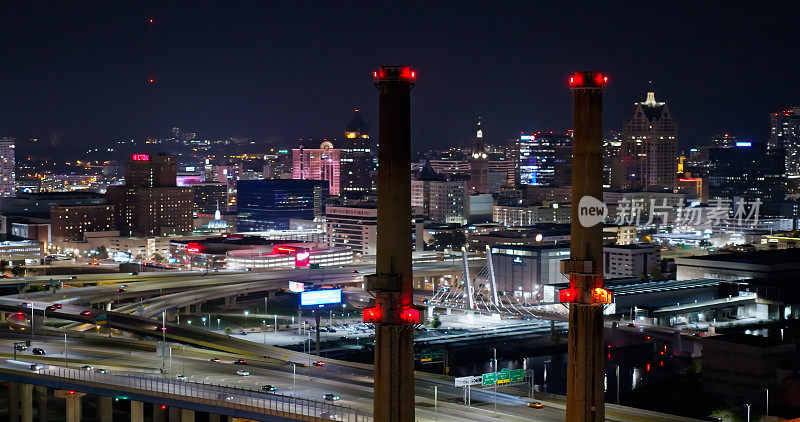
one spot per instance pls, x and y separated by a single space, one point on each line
393 314
585 295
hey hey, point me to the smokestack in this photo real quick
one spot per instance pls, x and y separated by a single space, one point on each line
585 295
393 315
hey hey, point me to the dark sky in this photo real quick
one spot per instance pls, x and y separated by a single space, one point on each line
295 69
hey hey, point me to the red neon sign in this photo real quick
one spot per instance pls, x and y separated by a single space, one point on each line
140 157
688 180
193 247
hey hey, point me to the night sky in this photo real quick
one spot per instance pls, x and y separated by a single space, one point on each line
295 69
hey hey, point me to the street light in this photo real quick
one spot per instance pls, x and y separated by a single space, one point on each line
246 314
264 330
494 353
204 321
217 323
767 390
748 411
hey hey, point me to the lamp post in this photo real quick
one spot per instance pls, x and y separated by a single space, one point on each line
617 384
204 321
65 350
494 353
217 324
748 411
767 412
435 403
276 322
246 314
264 330
294 377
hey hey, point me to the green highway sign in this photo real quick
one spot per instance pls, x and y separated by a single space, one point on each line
504 376
488 379
517 375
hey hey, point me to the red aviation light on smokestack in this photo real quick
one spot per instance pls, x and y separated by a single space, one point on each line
409 316
372 315
588 80
395 73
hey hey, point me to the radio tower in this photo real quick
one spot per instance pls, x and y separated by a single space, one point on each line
585 295
393 314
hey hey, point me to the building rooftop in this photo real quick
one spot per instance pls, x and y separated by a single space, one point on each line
772 257
747 340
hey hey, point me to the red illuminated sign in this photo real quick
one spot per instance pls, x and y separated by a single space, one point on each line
688 180
193 247
140 157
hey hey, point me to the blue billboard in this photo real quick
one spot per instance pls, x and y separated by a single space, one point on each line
321 297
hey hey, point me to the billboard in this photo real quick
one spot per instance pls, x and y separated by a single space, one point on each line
296 286
321 297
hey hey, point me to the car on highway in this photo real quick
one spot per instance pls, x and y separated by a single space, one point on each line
268 388
534 404
38 351
240 362
73 277
26 304
181 377
223 396
319 363
243 373
52 308
331 397
86 313
87 367
58 305
35 367
133 273
120 290
214 360
330 416
21 347
101 371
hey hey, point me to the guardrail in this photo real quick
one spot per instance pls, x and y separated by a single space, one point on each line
221 396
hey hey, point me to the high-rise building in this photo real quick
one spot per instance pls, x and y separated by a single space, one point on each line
353 227
784 134
479 164
747 171
318 164
7 167
545 158
150 203
443 201
70 222
209 196
649 150
357 158
270 204
724 140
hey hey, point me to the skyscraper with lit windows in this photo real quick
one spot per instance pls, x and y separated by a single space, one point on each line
649 150
784 134
7 167
545 158
357 158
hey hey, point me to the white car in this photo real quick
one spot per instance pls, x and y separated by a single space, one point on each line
181 377
243 373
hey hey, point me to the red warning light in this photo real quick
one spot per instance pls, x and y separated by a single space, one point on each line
648 367
163 407
569 295
71 393
409 316
373 314
588 80
151 21
151 80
